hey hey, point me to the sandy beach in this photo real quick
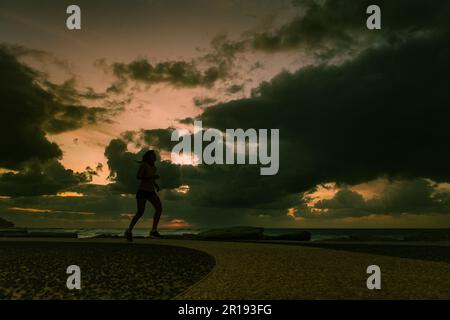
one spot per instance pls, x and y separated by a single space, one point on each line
188 269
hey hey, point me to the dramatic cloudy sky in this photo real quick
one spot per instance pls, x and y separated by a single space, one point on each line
363 114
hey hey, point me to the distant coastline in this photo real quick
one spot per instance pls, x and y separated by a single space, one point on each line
246 233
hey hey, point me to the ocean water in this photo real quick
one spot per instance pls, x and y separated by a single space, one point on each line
316 234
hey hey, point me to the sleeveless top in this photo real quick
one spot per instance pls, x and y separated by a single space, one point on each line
144 173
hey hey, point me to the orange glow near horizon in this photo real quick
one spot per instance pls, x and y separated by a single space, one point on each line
45 211
69 194
30 210
292 212
176 224
182 189
323 191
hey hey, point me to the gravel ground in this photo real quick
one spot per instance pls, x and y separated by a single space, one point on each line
37 270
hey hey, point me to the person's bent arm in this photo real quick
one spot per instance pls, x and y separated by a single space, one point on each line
143 175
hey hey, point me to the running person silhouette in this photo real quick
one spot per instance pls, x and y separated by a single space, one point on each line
147 191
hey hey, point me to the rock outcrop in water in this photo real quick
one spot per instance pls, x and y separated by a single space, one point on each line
430 235
293 236
249 233
4 224
219 234
234 233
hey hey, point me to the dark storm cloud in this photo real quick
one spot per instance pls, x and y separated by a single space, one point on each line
203 71
203 101
100 203
227 186
123 166
188 120
28 111
96 202
37 178
223 52
386 112
222 49
328 27
68 93
72 117
24 108
235 186
69 112
159 139
31 108
417 196
235 88
383 113
177 73
44 57
210 186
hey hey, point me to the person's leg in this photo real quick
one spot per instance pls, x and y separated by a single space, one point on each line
139 213
156 202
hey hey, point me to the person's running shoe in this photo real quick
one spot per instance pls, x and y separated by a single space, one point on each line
155 234
129 235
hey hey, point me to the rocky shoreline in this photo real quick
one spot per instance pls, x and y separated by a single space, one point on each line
239 234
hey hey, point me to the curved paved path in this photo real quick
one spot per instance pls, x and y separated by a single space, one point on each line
280 271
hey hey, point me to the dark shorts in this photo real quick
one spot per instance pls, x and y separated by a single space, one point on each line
142 194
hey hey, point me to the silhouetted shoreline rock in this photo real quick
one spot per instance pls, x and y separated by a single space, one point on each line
435 235
13 232
248 233
293 236
24 233
242 233
362 238
5 224
43 234
233 233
